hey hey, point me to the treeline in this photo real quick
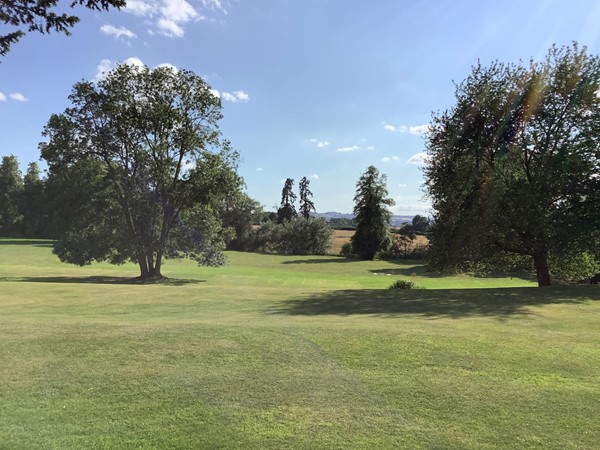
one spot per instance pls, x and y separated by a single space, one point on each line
24 209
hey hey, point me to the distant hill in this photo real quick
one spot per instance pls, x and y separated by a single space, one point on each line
396 220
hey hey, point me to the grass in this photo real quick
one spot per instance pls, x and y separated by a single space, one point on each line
291 352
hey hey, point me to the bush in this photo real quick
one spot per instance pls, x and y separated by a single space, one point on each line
296 237
346 250
404 284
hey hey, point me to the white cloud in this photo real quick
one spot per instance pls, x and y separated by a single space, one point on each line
319 144
236 97
169 28
214 4
168 66
371 148
411 208
386 159
117 31
348 149
419 129
418 158
314 176
259 169
389 127
2 97
19 97
141 8
106 65
402 185
215 93
178 11
403 129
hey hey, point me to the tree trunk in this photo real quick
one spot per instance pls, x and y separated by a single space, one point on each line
542 271
158 264
144 272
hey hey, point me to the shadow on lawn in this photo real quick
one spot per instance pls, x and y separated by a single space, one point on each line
338 259
436 303
30 242
104 280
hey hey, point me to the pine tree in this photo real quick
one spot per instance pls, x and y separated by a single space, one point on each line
306 204
287 210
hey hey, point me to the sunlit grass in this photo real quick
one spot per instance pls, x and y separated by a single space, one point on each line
291 352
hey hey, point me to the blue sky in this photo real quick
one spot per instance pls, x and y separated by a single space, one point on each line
316 88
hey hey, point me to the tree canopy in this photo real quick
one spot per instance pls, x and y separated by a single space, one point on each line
371 214
306 204
514 165
42 16
138 170
287 210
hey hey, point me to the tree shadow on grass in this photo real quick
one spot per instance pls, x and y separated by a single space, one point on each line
436 303
31 242
324 260
104 280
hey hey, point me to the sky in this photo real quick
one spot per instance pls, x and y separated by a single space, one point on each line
315 88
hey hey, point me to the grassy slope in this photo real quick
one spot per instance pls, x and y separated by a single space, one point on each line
276 352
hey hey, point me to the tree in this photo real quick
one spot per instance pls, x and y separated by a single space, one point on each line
371 214
33 203
287 210
40 16
11 187
138 170
306 204
239 212
514 166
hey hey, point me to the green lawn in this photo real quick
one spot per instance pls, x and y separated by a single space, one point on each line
291 352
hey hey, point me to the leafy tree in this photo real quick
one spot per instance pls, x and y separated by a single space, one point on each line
340 223
371 214
295 237
419 224
138 170
33 203
514 165
287 210
41 16
11 187
239 212
306 204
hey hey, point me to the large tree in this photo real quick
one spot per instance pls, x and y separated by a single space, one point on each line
138 170
306 204
11 188
287 210
42 16
514 165
371 214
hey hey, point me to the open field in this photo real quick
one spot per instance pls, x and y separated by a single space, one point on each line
291 352
340 237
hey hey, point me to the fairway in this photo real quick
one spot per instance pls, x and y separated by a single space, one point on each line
291 352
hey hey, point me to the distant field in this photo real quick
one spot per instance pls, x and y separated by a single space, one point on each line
342 236
291 352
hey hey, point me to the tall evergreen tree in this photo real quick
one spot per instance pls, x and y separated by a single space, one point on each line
11 187
371 214
306 204
287 210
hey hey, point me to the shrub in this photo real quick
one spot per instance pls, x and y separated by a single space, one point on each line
296 237
404 284
346 250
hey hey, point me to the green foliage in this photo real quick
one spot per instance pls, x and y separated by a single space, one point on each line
371 214
403 246
287 210
514 164
404 284
138 170
575 267
33 203
239 212
346 250
40 16
296 237
419 225
306 204
342 223
11 188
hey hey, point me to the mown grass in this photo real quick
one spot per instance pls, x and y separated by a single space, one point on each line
291 352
